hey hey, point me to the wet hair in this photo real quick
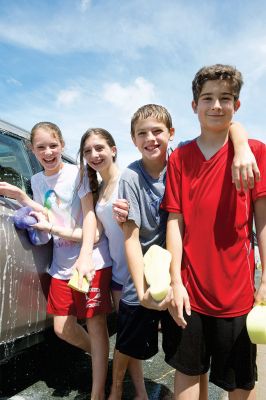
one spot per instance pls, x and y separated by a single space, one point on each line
85 168
151 110
217 72
50 127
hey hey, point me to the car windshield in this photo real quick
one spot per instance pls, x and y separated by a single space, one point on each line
14 164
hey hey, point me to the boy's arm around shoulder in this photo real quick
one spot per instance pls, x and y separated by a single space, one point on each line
260 221
245 170
174 243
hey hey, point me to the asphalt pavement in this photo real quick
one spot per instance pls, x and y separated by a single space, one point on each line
55 369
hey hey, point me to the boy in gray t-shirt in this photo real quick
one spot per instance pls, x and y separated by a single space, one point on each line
144 211
142 184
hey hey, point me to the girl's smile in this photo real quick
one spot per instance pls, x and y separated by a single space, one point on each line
48 149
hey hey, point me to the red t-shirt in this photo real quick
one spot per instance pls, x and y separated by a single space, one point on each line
218 258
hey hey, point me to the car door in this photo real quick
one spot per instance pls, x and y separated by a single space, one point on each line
24 280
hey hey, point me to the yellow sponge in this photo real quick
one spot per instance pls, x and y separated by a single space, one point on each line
73 283
156 270
256 324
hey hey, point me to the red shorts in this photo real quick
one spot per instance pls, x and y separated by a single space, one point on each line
62 300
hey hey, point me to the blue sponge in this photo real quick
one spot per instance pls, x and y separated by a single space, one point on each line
22 219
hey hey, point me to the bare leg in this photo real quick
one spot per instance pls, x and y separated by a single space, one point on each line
116 295
120 364
240 394
204 379
67 328
186 387
97 328
136 373
134 366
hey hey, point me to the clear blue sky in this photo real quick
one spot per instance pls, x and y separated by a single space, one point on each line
87 63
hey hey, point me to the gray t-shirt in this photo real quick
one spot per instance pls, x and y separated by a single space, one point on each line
144 195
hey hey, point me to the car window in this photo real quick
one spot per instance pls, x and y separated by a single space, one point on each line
14 163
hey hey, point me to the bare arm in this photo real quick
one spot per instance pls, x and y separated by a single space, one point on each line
244 167
136 266
74 234
260 221
174 243
12 191
84 263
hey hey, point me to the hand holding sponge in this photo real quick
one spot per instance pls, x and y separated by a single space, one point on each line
256 324
73 283
156 270
23 220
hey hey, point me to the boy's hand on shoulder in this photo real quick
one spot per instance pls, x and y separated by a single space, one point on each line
245 171
120 210
179 302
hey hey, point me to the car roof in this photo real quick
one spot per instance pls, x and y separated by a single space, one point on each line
17 131
14 129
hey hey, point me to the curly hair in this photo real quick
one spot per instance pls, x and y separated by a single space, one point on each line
215 72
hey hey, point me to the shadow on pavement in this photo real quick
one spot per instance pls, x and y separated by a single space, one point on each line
64 369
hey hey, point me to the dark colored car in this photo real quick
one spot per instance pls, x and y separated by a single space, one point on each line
24 280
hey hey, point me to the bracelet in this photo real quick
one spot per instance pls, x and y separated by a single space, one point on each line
50 231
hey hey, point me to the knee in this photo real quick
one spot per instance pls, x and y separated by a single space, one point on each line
97 325
64 331
58 333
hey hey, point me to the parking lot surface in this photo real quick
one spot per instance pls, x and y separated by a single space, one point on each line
58 370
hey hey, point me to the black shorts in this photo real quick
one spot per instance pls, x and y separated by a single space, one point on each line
137 331
221 344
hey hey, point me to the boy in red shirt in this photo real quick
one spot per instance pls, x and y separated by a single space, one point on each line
209 233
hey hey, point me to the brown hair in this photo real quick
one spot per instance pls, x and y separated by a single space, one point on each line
92 174
215 72
151 110
49 126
